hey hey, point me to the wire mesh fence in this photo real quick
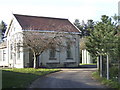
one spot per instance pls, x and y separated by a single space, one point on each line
114 69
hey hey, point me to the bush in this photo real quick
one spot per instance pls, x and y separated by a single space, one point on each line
114 73
109 83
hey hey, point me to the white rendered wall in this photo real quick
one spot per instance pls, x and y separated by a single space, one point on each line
5 62
86 58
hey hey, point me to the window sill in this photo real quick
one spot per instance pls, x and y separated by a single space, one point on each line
52 58
70 58
53 62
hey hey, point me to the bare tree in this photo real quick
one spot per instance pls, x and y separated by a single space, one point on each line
39 41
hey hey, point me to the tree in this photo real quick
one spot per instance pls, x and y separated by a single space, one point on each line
79 26
84 27
3 27
117 51
100 41
77 23
38 42
116 18
89 25
104 31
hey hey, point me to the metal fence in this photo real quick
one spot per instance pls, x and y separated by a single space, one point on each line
113 67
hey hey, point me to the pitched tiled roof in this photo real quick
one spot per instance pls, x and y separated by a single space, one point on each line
45 23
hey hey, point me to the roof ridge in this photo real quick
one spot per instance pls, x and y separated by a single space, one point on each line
40 16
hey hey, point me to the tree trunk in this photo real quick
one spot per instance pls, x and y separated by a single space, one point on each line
35 65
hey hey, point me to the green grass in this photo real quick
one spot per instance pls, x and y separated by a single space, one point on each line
88 64
21 78
104 81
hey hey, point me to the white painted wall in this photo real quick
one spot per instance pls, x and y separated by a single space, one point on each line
86 58
44 58
11 37
14 62
62 56
5 61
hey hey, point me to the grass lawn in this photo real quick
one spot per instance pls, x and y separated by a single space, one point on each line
108 83
21 78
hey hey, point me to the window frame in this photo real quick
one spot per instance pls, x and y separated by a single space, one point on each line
4 53
68 51
18 51
11 49
52 53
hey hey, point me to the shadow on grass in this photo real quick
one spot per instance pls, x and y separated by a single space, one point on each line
12 79
15 79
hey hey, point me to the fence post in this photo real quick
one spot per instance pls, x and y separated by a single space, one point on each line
98 63
107 68
101 66
1 79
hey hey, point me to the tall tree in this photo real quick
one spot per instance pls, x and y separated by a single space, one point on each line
117 51
89 25
102 34
116 18
84 27
3 27
79 26
101 39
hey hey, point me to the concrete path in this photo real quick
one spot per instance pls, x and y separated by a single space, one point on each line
68 78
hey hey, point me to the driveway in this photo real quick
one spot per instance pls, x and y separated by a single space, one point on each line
68 78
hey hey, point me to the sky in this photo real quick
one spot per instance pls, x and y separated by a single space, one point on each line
70 9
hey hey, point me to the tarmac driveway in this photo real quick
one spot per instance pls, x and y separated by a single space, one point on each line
68 78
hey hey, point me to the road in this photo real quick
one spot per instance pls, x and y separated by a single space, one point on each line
68 78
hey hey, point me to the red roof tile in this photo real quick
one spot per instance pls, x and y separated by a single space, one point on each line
45 23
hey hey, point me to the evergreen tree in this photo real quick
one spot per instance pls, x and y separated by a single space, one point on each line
100 38
79 26
89 25
3 27
84 27
116 18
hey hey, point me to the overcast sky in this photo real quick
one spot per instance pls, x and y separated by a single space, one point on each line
71 9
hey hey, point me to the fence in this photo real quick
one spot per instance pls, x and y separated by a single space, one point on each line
114 69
